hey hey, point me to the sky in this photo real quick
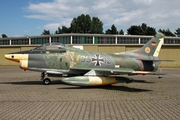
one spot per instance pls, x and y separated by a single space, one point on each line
31 17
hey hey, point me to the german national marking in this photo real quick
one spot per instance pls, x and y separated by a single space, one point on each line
97 59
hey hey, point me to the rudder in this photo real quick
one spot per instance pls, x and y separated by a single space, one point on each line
152 48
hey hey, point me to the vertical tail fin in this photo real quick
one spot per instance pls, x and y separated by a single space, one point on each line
152 48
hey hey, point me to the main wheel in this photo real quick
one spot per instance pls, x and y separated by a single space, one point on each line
46 81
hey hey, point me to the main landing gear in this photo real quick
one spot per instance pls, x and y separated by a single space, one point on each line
46 81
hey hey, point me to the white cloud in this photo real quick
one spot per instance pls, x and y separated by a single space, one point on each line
156 13
54 26
43 17
142 2
51 26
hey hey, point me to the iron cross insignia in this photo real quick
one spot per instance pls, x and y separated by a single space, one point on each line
97 60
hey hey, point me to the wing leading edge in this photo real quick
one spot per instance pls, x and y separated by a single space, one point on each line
116 71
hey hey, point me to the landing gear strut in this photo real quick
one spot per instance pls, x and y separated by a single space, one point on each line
46 81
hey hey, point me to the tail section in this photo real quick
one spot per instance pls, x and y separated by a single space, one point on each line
147 56
152 48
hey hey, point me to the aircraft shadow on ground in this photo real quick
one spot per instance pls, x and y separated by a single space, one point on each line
110 87
142 81
54 82
126 89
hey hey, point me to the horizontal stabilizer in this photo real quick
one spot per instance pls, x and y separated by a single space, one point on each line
147 73
166 60
156 60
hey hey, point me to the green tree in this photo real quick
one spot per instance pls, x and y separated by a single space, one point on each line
177 32
81 24
143 27
113 30
84 24
45 32
134 30
58 31
150 31
108 31
121 32
74 26
96 26
166 32
66 29
141 30
4 36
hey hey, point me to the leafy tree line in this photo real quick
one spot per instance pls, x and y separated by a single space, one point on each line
86 24
4 36
83 24
93 25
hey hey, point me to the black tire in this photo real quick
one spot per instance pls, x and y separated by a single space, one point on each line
46 81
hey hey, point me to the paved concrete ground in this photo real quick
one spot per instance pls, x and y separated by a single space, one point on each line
23 96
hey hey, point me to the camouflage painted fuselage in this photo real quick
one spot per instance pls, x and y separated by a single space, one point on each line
90 68
70 58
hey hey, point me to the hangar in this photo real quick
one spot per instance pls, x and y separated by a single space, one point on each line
93 42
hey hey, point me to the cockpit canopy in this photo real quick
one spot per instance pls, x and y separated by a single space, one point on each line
45 48
50 46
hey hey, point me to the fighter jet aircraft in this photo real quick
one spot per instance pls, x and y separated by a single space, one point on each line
84 68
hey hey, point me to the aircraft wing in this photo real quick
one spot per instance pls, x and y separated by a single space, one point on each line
110 71
116 71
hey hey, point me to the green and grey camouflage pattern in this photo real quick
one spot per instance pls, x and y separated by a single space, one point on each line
84 68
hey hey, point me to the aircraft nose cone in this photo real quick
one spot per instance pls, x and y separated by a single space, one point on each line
12 57
16 57
9 56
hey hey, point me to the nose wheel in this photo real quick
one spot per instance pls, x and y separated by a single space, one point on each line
46 81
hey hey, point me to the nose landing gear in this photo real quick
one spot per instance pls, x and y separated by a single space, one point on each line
46 81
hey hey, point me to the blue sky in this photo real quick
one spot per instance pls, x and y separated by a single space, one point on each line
31 17
13 22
